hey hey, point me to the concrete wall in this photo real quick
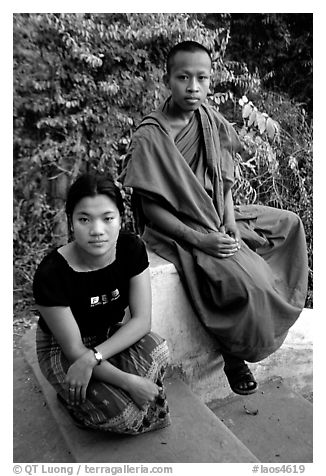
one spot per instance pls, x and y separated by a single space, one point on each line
193 351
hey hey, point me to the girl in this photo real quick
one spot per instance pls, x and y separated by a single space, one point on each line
108 375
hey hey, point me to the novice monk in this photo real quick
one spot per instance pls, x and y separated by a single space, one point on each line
245 268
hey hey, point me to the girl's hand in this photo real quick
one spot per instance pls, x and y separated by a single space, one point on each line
141 390
78 377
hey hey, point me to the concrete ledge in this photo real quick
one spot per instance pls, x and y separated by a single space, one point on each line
195 436
193 350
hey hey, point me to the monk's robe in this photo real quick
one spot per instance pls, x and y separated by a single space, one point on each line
251 299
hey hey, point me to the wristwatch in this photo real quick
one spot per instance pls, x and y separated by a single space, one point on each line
98 356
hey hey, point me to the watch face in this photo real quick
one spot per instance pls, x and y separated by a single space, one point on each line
98 356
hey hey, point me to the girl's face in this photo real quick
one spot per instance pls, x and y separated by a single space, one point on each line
96 224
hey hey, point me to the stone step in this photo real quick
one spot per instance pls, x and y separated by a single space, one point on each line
195 436
275 423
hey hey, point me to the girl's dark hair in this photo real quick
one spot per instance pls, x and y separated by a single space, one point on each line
90 185
188 47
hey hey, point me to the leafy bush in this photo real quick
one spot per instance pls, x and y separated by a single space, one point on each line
79 82
279 46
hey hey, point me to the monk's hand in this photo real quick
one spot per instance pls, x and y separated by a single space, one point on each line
232 230
219 244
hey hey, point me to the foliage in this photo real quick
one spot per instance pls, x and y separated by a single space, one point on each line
79 82
279 46
82 82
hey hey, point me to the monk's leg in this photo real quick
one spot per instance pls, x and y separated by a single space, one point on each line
278 237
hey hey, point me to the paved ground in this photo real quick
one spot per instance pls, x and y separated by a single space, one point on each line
35 434
276 424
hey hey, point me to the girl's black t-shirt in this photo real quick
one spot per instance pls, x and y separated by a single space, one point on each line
97 299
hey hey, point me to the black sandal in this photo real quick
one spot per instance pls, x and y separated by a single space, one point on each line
240 374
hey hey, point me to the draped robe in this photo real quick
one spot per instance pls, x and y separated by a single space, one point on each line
251 299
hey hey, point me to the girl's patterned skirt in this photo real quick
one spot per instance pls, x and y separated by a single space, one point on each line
107 407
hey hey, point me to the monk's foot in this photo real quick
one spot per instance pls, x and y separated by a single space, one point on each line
240 378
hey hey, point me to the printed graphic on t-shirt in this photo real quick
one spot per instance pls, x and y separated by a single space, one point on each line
95 301
104 298
115 295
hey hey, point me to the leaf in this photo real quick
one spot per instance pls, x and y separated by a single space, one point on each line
261 122
252 118
246 110
270 128
237 173
251 412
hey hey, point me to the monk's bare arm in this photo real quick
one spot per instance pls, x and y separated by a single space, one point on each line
229 223
217 244
169 223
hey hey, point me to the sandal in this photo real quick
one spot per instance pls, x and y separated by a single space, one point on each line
240 374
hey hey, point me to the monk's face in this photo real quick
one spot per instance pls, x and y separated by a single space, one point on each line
189 79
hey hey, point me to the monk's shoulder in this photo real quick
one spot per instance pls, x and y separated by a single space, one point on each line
150 128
